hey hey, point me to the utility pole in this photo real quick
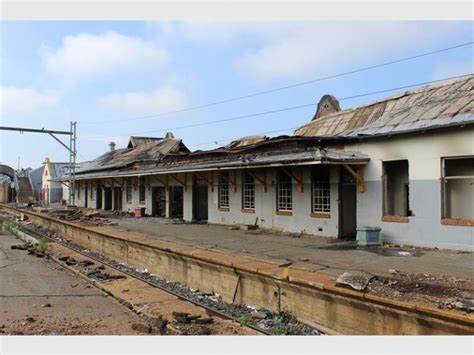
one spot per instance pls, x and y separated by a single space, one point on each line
71 148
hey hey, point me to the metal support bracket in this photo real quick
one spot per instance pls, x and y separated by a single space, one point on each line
359 176
206 179
183 183
164 183
299 182
230 181
262 181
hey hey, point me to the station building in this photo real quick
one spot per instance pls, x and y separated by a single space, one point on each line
404 163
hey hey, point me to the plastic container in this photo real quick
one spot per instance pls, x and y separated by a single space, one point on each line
368 236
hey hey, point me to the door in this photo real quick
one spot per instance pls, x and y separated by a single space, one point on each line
107 198
86 190
200 197
158 196
348 206
117 198
99 198
176 201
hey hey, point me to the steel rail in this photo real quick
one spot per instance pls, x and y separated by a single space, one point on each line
151 283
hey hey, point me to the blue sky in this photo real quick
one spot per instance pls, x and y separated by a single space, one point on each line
53 72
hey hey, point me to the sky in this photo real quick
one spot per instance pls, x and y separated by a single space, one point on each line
122 78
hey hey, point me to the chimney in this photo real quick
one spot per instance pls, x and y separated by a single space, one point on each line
327 105
112 146
169 135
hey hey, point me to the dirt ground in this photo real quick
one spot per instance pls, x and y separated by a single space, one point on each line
39 297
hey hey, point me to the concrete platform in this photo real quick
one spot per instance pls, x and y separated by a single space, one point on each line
332 255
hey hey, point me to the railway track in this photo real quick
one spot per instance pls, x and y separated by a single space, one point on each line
136 275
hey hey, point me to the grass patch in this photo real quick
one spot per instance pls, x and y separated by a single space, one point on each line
245 321
42 245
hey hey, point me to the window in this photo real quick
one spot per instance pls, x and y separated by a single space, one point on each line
223 191
78 191
284 192
142 191
396 190
92 191
248 191
458 188
321 190
128 189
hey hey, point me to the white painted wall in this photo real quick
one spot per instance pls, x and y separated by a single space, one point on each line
424 153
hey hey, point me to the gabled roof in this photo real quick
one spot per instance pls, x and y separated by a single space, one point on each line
58 169
444 104
139 149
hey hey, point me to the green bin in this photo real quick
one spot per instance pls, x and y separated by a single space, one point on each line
368 236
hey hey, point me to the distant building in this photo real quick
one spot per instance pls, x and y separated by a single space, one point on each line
53 191
404 163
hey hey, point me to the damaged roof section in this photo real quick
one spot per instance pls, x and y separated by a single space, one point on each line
139 149
444 104
268 152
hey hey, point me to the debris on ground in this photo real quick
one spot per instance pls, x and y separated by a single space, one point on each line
357 280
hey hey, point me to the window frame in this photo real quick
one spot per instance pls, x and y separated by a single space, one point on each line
288 189
444 179
248 192
129 190
223 192
316 174
141 190
386 215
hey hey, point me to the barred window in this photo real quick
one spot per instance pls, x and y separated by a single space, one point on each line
141 191
128 188
321 190
223 192
284 192
248 191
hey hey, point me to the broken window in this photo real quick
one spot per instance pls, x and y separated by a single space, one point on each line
458 188
248 191
128 190
142 191
321 189
223 191
284 192
396 188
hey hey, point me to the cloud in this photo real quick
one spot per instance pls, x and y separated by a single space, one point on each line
26 101
94 137
142 103
86 55
317 48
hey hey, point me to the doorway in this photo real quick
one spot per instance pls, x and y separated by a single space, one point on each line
86 190
99 197
107 198
117 198
348 205
200 200
176 201
158 204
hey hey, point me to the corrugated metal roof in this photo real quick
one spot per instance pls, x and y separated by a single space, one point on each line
303 156
143 149
443 104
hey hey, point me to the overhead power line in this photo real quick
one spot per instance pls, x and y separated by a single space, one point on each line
330 123
290 108
307 82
